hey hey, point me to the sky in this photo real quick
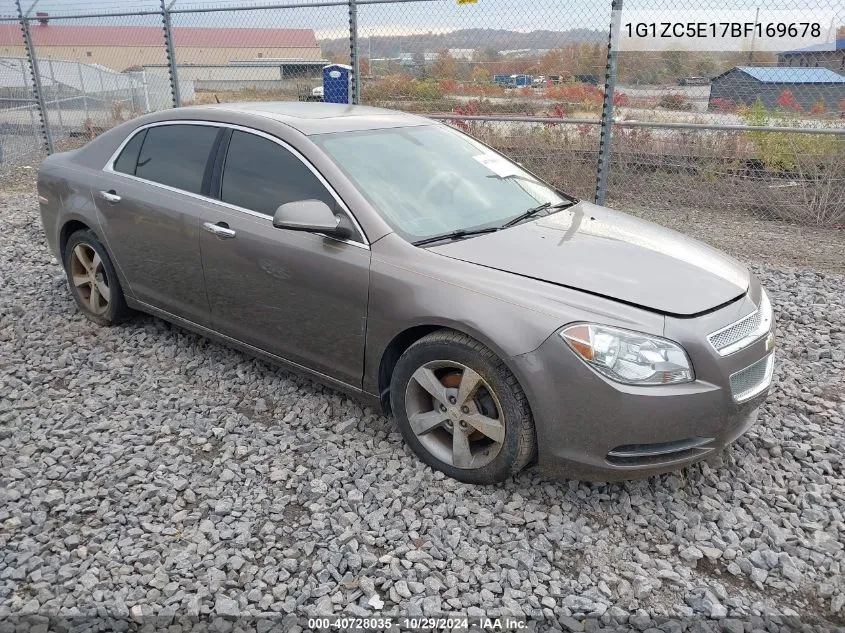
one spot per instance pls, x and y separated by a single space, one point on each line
382 19
400 18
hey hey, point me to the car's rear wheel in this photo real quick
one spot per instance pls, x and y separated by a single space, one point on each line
461 410
92 279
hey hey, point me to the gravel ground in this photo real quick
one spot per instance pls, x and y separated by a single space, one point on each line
749 238
146 470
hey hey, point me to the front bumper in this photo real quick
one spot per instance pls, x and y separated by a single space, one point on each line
589 427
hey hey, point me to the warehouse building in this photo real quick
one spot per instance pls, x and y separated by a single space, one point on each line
124 47
816 56
806 87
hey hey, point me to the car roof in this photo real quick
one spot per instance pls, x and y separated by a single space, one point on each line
317 118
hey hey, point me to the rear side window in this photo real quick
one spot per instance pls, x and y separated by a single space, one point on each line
261 175
128 158
176 155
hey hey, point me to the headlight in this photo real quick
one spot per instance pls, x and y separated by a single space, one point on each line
630 357
766 314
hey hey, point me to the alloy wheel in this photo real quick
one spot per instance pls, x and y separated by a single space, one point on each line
455 414
89 278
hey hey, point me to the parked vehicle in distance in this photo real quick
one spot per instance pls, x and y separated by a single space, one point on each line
399 259
694 81
513 81
306 93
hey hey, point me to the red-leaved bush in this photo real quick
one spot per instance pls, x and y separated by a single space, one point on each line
787 101
586 94
470 108
560 111
723 105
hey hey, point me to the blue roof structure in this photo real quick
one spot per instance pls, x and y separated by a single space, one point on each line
816 48
792 75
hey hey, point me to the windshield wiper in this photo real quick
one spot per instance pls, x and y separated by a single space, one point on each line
455 235
530 213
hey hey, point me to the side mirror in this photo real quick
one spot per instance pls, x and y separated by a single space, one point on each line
311 216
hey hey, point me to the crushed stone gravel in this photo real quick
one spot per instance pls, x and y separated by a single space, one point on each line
145 471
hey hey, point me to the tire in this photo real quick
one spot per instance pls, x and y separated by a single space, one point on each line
99 297
485 392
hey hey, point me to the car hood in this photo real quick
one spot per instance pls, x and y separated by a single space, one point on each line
612 254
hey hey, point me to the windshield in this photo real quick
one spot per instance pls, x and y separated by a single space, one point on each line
431 180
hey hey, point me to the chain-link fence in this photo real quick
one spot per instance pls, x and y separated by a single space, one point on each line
20 128
745 131
734 128
263 53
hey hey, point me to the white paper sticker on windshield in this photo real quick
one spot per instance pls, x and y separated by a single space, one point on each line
498 165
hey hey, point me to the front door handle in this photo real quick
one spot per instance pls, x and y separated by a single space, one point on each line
110 196
221 230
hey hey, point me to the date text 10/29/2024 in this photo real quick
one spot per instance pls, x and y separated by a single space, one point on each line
417 623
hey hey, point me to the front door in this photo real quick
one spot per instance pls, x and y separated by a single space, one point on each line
152 220
297 295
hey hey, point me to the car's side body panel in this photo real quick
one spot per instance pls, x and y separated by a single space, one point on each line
213 334
64 196
153 232
262 287
296 295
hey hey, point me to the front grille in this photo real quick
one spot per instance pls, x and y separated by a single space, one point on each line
736 332
746 331
748 382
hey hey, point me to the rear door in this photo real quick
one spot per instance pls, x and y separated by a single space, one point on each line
301 296
150 205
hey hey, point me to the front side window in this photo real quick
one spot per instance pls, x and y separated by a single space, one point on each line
176 155
261 175
430 180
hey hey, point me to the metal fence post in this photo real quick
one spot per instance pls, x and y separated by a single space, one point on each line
57 98
36 79
353 52
146 91
84 95
171 57
104 106
34 124
603 162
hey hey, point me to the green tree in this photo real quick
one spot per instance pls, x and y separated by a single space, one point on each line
445 67
705 66
677 63
480 75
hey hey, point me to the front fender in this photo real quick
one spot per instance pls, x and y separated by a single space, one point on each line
510 314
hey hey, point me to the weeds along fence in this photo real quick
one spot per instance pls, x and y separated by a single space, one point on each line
747 132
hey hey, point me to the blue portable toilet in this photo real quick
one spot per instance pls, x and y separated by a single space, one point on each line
337 79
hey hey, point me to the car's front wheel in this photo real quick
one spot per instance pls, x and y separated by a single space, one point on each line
92 279
461 410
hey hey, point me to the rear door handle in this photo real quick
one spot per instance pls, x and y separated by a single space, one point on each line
110 196
221 230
